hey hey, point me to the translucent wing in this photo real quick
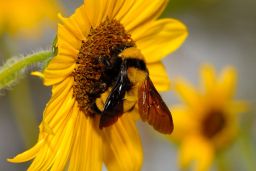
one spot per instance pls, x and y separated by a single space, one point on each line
152 108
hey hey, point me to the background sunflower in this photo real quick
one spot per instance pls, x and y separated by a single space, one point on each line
26 16
221 33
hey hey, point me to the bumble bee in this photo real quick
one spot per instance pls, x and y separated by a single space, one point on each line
133 86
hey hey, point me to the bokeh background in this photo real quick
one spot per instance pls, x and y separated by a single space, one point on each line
221 32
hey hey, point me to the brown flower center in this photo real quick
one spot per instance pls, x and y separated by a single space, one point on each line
213 123
98 63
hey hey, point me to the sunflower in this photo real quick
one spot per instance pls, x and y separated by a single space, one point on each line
23 15
69 133
207 122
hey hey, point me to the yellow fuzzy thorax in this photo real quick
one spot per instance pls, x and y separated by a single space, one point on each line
132 52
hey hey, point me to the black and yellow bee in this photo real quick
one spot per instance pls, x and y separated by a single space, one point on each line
132 77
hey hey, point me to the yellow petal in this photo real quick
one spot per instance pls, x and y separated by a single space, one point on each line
114 7
20 18
55 118
195 150
159 76
53 150
60 62
87 149
62 65
94 17
59 88
54 76
81 22
57 148
38 74
157 39
27 155
227 83
238 106
140 13
187 93
184 123
69 40
122 7
64 49
65 146
71 27
59 106
208 78
69 36
122 147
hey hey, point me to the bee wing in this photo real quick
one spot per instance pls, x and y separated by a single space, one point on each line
152 108
113 107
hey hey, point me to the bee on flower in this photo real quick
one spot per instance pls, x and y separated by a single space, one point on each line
107 70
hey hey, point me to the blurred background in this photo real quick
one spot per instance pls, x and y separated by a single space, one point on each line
221 32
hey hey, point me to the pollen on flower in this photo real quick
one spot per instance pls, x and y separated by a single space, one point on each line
213 123
98 64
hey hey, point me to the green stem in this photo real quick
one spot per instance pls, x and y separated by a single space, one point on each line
8 73
222 162
246 143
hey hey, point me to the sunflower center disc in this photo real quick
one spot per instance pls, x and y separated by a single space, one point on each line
213 123
98 63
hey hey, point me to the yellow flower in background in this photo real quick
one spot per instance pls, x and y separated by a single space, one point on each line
69 133
26 15
207 122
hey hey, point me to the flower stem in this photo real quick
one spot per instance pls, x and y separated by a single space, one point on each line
222 162
246 143
8 73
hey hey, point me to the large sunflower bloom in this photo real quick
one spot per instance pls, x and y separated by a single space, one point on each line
23 15
207 122
69 137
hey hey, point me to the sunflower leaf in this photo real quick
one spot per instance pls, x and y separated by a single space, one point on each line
15 68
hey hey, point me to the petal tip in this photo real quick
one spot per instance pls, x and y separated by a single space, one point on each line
37 74
12 160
